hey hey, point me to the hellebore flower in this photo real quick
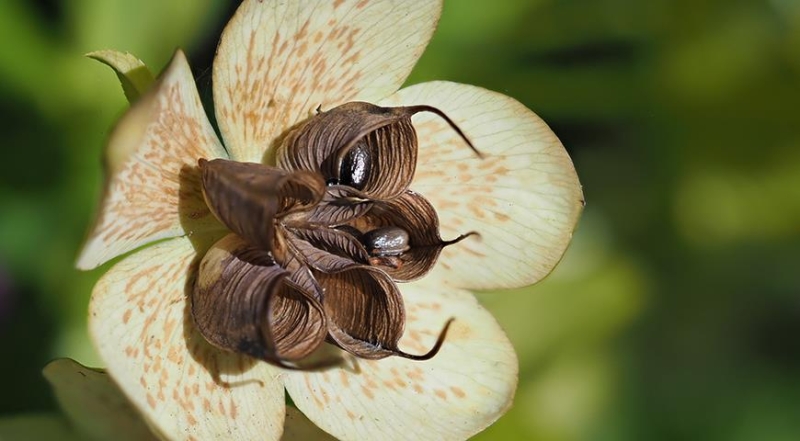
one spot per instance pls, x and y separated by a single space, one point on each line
320 216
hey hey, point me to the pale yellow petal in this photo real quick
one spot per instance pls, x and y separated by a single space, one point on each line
459 392
93 403
142 328
523 197
278 61
152 191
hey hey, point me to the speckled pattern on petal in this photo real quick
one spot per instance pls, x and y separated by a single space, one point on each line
153 190
141 325
523 197
278 61
456 394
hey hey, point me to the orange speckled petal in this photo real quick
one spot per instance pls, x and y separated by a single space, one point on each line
523 197
456 394
140 322
152 187
278 61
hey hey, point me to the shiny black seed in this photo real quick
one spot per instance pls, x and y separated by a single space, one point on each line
386 241
355 168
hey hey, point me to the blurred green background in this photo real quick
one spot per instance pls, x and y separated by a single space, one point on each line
674 315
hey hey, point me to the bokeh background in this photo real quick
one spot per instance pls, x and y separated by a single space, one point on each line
675 313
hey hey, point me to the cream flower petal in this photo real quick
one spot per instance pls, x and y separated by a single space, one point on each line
523 197
141 326
153 191
457 393
278 61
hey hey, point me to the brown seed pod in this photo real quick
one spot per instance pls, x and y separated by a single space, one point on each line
247 197
370 148
320 241
243 301
414 215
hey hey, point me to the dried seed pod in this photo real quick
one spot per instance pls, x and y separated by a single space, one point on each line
365 313
339 205
369 148
410 213
300 270
326 249
244 302
246 197
393 262
350 230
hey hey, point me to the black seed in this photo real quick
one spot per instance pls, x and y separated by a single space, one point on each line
355 168
386 241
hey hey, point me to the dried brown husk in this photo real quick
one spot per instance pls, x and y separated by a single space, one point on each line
366 316
244 302
246 197
295 269
414 214
322 143
327 250
365 312
364 308
340 205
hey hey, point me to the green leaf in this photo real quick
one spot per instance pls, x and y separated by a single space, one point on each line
94 404
135 77
37 426
299 428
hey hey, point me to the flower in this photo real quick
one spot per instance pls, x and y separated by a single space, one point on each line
276 63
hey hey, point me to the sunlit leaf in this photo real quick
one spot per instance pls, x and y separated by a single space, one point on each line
93 403
134 76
